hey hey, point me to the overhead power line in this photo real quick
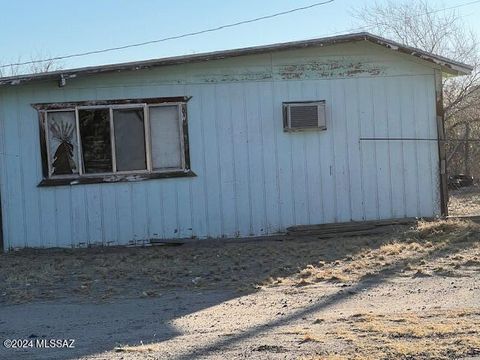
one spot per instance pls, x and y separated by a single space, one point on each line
171 37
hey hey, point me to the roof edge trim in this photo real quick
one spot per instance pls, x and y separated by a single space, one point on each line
449 66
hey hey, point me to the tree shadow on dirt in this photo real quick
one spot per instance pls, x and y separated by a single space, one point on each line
196 277
366 283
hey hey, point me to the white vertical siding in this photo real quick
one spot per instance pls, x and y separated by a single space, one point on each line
252 178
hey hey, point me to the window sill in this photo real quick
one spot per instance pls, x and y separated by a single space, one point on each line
109 179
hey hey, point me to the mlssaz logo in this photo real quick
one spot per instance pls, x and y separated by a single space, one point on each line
55 343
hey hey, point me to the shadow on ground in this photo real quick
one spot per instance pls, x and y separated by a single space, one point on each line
174 282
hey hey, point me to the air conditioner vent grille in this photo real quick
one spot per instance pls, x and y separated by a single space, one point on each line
304 116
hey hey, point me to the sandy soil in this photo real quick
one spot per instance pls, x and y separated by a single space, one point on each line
414 294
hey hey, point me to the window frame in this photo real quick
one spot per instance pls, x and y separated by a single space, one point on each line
115 176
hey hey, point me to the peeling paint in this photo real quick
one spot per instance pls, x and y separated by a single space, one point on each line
236 77
327 69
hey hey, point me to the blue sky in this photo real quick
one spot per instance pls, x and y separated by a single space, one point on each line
58 27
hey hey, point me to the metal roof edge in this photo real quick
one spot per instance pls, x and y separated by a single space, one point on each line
447 65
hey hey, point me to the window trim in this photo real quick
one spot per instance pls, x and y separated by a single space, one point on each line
116 176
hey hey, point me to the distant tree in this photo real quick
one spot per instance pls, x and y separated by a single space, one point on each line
33 68
416 23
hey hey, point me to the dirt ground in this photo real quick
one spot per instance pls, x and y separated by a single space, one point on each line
411 294
464 201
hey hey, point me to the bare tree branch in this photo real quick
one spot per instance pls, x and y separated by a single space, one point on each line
416 23
35 68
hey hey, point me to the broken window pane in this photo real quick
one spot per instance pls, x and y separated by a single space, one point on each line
129 139
95 135
165 134
62 143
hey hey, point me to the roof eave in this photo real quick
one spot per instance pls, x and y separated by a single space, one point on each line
447 65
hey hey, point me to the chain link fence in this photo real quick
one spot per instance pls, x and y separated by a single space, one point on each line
463 169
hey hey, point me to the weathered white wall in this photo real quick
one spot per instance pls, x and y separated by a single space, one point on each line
253 178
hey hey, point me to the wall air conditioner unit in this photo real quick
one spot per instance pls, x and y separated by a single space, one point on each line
305 115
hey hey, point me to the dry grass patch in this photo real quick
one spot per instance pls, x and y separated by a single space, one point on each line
433 335
444 248
439 248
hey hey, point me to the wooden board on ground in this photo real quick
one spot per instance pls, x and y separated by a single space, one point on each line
353 228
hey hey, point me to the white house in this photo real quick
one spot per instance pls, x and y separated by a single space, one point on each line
234 143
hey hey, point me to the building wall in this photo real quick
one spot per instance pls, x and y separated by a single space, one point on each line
252 178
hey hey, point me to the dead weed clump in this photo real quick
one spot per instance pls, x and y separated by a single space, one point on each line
450 229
